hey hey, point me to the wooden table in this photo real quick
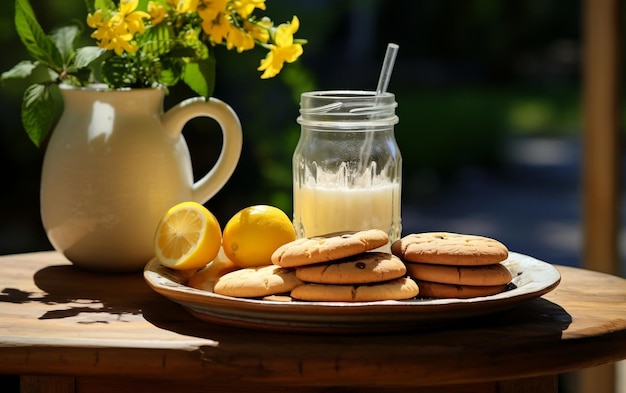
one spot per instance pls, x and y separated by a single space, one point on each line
67 330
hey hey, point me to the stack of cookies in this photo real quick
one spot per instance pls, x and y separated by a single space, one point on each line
343 268
450 265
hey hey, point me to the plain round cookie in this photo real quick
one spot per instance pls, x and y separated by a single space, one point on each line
447 248
257 282
496 274
307 251
448 291
367 267
399 289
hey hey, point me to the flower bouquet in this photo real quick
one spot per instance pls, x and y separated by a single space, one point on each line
143 44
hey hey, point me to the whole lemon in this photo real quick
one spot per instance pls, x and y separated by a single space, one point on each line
252 235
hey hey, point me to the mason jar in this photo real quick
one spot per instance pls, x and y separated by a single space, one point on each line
347 167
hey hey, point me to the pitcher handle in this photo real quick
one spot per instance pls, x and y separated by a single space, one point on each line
174 120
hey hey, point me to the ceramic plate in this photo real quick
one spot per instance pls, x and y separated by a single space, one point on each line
531 279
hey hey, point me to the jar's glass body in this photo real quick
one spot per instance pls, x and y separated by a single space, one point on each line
347 167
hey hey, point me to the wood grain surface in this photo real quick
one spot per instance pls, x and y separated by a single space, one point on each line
58 320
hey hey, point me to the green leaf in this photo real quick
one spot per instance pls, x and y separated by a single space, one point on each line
105 5
116 73
200 76
94 58
169 74
23 69
143 5
38 44
53 76
77 77
183 52
157 40
87 54
168 77
66 39
41 108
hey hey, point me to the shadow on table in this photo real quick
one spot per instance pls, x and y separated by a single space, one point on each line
539 317
76 292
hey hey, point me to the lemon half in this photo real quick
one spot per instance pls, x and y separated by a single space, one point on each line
187 237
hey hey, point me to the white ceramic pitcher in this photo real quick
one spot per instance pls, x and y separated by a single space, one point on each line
113 166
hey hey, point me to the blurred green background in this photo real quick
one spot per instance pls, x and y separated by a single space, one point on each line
470 75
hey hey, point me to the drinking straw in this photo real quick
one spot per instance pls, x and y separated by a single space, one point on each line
385 72
383 82
383 78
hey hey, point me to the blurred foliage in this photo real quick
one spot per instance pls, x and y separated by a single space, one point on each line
469 75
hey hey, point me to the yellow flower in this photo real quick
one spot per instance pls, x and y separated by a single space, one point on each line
128 18
122 44
217 28
210 10
184 6
283 51
239 39
95 20
246 7
103 33
117 32
259 30
285 32
157 13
